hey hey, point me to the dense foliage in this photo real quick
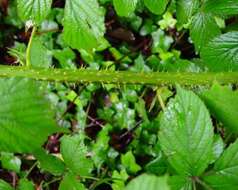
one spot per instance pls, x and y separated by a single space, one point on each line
118 94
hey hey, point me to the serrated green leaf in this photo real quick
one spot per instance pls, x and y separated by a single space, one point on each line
221 53
221 7
124 7
26 119
50 163
223 105
186 133
10 162
25 184
129 162
149 182
71 183
5 186
35 10
83 24
226 170
39 55
74 153
156 6
203 28
185 9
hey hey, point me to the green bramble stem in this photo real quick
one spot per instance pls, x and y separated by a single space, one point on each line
119 77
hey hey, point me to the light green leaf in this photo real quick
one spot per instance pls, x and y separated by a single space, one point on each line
5 186
39 54
83 24
125 7
226 170
65 57
149 182
221 53
129 162
185 9
74 153
203 28
221 7
119 179
218 147
10 162
71 183
223 104
156 6
35 10
26 119
25 184
186 133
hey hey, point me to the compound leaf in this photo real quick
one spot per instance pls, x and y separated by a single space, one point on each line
186 134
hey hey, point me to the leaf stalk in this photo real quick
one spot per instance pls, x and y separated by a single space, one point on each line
29 46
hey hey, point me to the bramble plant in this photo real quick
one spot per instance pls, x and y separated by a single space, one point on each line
119 94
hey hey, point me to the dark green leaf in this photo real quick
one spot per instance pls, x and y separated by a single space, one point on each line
186 133
223 104
35 10
221 54
83 24
203 28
